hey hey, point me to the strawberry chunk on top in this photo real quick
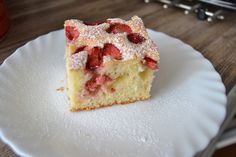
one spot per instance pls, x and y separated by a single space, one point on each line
94 58
110 49
119 28
150 63
71 33
135 38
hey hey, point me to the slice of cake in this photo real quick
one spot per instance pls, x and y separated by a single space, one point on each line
111 62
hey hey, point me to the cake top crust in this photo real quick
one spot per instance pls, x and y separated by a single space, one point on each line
129 38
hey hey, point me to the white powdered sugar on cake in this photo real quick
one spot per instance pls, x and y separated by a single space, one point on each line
106 59
116 20
97 36
78 60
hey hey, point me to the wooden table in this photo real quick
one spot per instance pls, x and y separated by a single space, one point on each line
216 41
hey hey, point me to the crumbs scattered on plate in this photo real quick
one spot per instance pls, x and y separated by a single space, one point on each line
61 89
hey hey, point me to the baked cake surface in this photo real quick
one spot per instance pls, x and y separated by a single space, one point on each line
112 62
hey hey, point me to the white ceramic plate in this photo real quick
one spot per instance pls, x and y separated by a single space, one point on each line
185 111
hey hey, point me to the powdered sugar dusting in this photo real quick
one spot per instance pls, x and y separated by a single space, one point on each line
116 20
130 50
93 36
106 59
78 60
137 25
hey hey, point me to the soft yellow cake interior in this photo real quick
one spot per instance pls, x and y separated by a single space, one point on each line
131 81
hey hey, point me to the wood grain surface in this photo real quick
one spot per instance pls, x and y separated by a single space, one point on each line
32 18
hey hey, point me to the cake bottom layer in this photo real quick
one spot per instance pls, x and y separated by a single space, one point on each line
75 108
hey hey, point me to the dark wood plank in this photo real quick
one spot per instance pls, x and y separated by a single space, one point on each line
229 151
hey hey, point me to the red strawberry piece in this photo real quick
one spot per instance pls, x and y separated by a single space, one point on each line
94 58
94 23
71 33
110 49
119 28
91 86
135 38
150 63
81 48
102 79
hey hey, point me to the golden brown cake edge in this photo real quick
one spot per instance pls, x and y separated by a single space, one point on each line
108 105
